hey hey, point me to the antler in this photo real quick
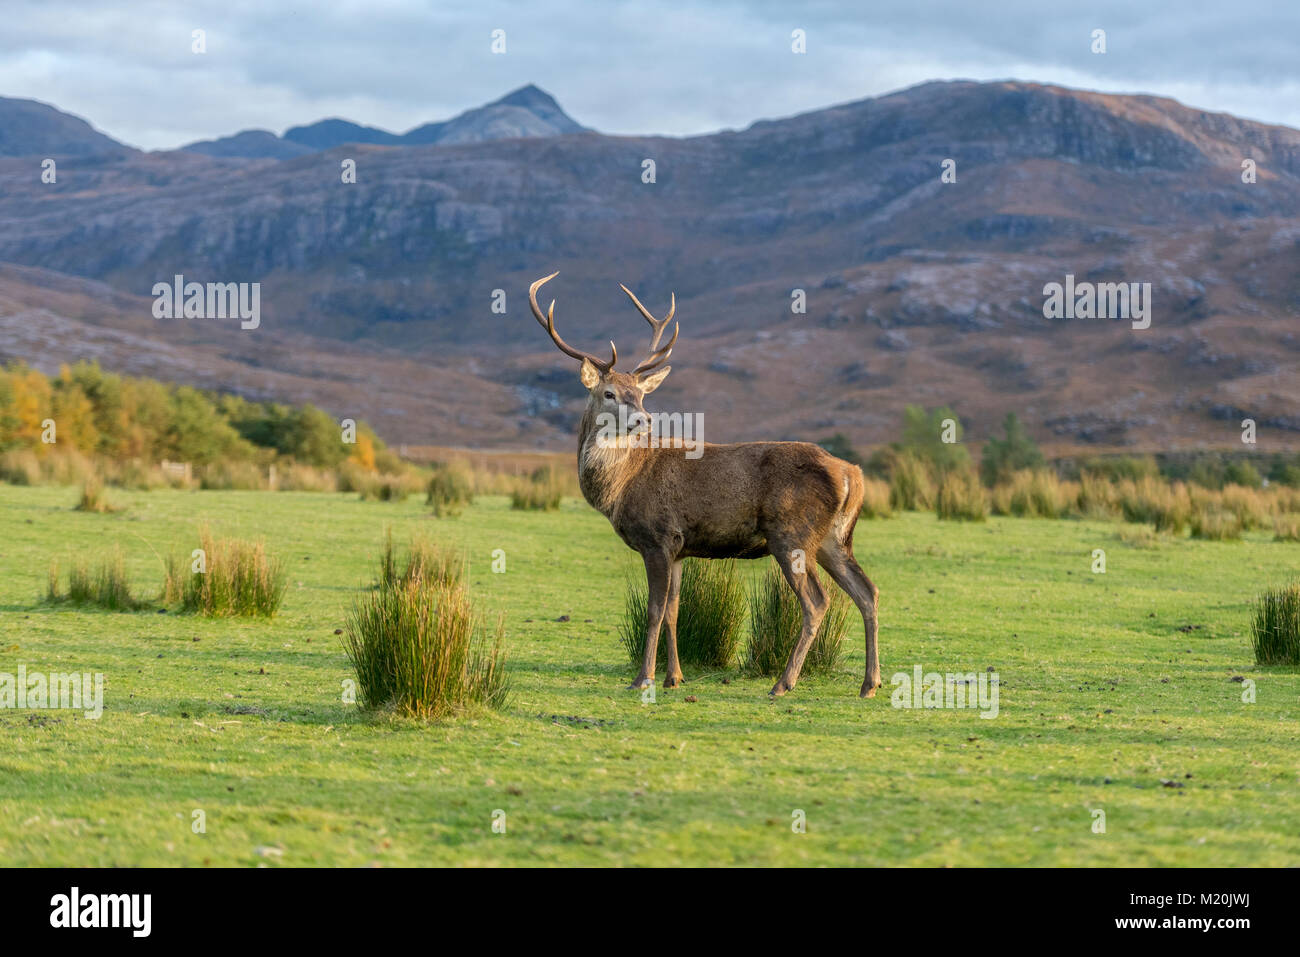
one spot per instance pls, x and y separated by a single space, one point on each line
657 356
548 323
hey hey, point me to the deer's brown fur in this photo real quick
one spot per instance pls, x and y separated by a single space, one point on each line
792 500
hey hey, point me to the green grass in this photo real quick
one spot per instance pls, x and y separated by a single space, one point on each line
1103 697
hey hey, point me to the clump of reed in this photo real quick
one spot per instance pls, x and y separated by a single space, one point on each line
226 577
106 586
710 618
776 620
541 491
418 646
1275 626
961 497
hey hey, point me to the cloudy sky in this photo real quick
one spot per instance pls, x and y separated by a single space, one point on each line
673 66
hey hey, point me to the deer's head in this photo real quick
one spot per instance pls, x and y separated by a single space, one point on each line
620 394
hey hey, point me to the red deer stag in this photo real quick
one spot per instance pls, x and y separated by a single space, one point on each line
787 499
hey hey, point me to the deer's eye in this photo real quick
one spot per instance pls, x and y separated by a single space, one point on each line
609 395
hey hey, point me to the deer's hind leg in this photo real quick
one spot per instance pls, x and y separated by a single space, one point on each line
674 676
837 558
812 601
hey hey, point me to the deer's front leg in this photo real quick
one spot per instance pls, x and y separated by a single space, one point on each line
658 574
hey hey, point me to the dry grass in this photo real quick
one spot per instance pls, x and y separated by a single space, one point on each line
230 578
106 587
776 620
961 497
420 649
1035 493
911 484
875 498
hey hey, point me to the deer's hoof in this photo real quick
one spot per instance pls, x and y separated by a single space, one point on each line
672 681
640 684
868 692
778 689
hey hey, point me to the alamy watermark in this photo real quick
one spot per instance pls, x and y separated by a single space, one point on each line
935 689
655 430
214 300
1103 300
71 691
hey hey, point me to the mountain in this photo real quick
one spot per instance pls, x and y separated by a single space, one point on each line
526 113
251 144
29 128
917 290
326 134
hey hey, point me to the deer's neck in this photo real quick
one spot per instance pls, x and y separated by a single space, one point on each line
605 469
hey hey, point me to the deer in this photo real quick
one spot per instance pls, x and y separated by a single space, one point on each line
746 500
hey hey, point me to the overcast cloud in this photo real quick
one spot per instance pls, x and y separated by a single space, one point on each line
621 67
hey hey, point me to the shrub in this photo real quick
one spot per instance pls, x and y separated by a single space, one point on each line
910 486
1251 506
233 476
775 620
424 561
875 498
235 578
1033 494
1097 498
1275 627
1215 525
450 489
305 478
1286 528
961 498
419 648
541 491
20 467
1002 458
391 488
710 614
1166 507
93 498
107 587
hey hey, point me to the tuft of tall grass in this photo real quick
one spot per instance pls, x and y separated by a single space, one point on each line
234 578
424 561
233 476
911 486
105 587
1097 498
450 489
1033 493
1286 528
391 488
876 498
20 467
775 620
1166 507
1275 626
94 498
420 649
541 491
710 614
961 497
1214 524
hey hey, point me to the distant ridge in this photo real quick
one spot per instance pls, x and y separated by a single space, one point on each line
527 112
31 128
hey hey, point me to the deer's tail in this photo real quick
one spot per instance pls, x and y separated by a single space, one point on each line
852 489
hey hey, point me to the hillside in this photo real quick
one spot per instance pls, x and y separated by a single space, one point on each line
917 291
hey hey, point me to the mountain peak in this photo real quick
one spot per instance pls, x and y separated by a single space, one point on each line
523 113
32 128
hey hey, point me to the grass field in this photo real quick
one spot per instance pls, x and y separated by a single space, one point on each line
1106 703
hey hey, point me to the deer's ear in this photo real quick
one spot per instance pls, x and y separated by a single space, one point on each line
590 374
652 382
